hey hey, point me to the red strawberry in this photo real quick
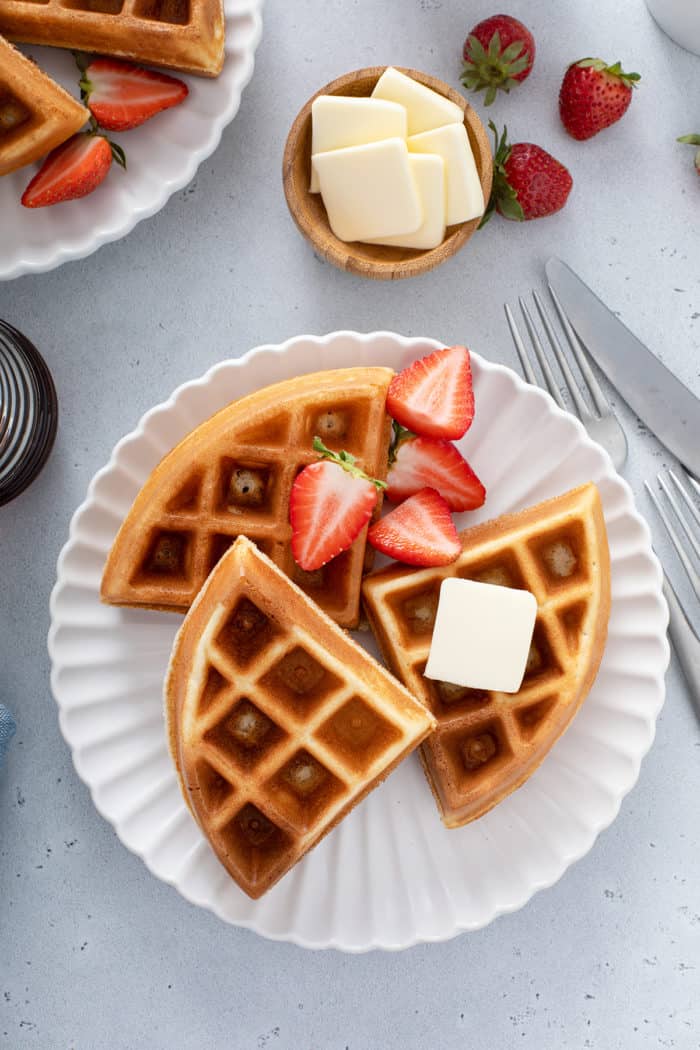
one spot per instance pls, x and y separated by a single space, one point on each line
419 532
593 96
122 96
498 53
72 170
693 140
330 504
434 395
434 463
528 182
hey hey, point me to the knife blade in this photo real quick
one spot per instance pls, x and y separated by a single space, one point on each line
667 406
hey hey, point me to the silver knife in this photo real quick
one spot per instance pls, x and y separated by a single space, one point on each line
667 407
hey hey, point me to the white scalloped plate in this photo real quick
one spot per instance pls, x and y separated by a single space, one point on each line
390 875
162 157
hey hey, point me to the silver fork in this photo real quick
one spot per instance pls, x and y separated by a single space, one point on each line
599 420
683 635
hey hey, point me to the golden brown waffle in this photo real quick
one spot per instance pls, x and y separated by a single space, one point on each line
487 744
278 722
36 115
233 475
187 35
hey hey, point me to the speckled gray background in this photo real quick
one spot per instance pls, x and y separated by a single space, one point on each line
96 953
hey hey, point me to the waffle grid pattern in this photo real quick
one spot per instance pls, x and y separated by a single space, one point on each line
182 34
284 726
246 492
484 739
35 113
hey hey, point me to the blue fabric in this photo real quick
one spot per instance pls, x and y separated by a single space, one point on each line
7 731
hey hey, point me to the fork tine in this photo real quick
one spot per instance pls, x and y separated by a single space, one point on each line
679 512
541 357
522 352
684 492
695 484
691 572
569 377
599 399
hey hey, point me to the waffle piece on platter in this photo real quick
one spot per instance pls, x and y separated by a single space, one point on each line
278 722
487 743
233 475
36 114
187 35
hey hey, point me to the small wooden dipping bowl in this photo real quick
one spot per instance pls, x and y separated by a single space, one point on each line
379 262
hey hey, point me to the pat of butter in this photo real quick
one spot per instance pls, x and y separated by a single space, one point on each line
465 198
482 636
369 191
426 108
429 173
338 122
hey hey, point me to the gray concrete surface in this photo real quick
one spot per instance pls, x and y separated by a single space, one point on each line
95 953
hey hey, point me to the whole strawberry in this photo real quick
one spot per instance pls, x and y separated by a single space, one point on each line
593 96
693 140
498 54
528 182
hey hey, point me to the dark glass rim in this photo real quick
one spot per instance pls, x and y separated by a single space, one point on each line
29 426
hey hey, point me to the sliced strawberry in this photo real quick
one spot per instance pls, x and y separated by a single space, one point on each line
434 395
122 96
330 504
72 170
419 532
434 463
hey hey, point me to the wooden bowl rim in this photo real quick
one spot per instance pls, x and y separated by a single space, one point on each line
340 253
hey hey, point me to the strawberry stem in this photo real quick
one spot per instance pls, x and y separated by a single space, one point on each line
400 434
630 80
502 193
82 60
347 461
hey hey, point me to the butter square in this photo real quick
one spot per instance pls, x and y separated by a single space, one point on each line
482 636
369 191
338 122
465 198
426 108
429 173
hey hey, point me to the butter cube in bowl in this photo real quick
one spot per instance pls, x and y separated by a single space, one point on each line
387 172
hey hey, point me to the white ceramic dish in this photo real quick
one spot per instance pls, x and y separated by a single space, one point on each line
390 875
162 156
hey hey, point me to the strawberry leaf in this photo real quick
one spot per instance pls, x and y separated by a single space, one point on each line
494 50
347 461
476 50
502 193
400 434
118 154
513 51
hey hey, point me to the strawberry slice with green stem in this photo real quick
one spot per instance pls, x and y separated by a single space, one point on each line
420 462
330 503
434 395
72 170
122 95
418 532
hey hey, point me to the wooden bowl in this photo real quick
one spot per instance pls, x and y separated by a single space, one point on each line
380 262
